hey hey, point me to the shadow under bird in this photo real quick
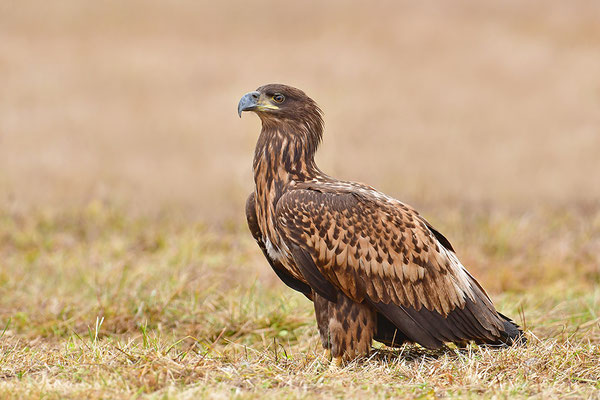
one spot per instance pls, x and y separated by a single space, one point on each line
373 267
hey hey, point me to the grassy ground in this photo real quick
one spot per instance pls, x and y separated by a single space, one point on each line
95 304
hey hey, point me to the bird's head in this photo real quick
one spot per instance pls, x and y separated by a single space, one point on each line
275 102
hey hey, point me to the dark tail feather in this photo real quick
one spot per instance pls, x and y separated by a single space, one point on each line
512 334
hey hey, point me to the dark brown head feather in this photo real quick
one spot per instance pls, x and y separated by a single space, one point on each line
296 114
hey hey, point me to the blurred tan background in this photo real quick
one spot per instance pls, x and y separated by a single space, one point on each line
481 103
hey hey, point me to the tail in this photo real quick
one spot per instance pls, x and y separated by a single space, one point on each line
512 334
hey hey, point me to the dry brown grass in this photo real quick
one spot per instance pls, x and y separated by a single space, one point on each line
96 304
125 266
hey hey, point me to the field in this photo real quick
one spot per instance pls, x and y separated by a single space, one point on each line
126 268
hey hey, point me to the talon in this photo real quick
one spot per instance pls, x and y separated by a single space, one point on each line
327 354
336 364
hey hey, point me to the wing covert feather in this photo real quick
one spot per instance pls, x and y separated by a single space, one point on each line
381 251
374 249
279 269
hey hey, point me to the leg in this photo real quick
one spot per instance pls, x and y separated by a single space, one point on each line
346 327
322 315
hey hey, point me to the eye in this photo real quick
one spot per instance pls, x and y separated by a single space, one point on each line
278 98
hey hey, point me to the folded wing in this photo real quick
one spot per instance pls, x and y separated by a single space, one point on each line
380 251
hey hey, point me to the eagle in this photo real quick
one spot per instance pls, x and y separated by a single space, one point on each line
373 267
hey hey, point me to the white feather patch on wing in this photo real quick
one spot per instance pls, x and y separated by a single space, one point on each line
461 279
273 252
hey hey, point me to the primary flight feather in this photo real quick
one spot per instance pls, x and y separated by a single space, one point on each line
374 268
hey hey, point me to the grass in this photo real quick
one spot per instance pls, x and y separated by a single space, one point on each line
96 304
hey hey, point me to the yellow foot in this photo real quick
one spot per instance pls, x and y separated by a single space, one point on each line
327 354
336 363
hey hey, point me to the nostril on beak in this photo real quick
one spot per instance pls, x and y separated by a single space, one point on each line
248 102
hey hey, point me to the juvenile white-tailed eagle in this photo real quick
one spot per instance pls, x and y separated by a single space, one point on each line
374 268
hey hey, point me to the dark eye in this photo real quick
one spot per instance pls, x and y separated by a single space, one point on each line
278 98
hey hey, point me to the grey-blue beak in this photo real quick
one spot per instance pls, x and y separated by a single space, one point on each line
248 102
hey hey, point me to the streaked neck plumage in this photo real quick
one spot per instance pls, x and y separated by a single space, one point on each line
285 152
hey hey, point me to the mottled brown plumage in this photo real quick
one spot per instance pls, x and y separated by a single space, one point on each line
374 268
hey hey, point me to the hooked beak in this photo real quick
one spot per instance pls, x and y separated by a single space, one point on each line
248 102
253 101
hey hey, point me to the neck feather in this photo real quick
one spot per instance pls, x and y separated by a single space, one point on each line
285 151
